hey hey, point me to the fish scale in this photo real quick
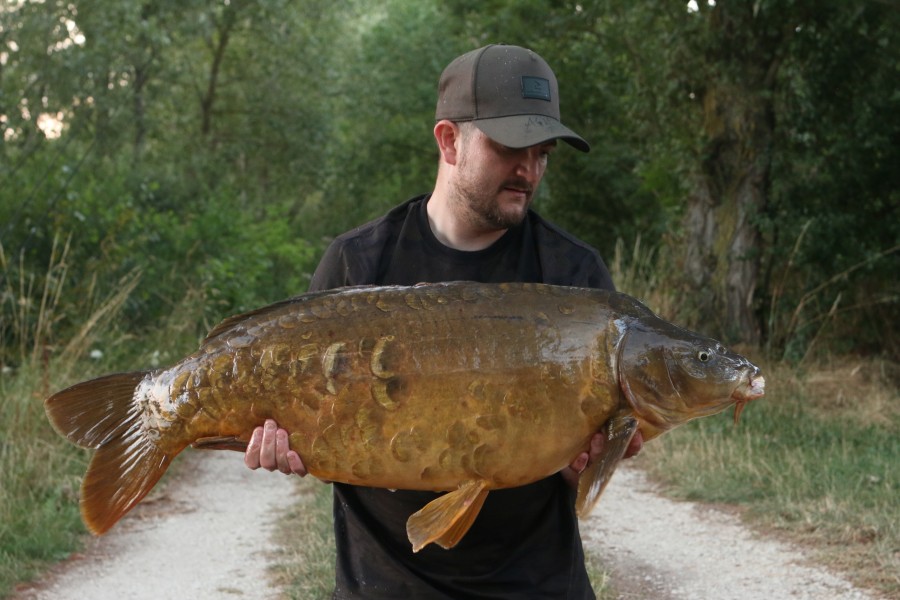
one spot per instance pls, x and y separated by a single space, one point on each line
457 387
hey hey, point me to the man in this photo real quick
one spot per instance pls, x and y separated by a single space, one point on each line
498 121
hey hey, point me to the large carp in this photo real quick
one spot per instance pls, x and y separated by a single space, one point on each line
458 387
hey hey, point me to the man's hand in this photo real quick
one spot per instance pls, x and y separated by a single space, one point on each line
269 448
573 472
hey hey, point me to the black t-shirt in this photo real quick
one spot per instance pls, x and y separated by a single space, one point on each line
525 541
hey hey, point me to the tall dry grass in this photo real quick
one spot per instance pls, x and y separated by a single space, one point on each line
40 472
29 302
640 271
796 327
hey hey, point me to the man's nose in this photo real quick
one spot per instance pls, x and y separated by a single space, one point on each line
529 162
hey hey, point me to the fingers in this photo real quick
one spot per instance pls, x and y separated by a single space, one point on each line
580 463
251 456
296 465
269 448
598 443
287 460
595 450
267 451
593 453
634 447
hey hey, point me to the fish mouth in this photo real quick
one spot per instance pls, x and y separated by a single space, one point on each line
755 388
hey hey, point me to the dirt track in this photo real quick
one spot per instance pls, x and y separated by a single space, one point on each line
207 537
663 550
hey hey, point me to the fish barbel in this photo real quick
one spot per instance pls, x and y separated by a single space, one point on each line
459 387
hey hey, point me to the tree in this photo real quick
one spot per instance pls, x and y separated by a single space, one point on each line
753 145
742 48
711 123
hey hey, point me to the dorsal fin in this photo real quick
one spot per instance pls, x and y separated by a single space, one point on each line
233 321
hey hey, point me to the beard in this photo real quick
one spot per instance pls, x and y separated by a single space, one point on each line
480 206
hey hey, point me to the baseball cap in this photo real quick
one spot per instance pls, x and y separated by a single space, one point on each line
508 92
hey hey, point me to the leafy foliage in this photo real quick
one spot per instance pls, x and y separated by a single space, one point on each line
221 144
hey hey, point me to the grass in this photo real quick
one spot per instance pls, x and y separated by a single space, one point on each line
39 472
305 568
39 520
599 575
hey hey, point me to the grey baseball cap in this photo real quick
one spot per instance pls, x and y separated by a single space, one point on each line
508 92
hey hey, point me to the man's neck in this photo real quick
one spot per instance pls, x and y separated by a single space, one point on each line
455 230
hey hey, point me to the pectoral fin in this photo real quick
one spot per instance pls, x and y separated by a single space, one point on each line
446 519
594 479
221 442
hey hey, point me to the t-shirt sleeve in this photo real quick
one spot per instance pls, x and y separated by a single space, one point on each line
566 260
351 259
596 274
333 270
356 256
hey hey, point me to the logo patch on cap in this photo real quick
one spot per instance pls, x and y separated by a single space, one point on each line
535 88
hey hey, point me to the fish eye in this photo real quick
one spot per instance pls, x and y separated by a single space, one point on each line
704 355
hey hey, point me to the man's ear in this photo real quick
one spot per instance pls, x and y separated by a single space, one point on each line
447 136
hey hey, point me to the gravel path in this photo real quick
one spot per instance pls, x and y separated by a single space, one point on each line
207 536
661 549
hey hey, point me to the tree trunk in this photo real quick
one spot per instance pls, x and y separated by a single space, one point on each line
218 45
729 190
743 52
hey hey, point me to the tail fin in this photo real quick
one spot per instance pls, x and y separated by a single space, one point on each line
103 414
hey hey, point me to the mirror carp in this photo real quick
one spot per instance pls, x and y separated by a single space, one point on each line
459 387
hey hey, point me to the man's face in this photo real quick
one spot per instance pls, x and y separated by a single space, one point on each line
494 184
